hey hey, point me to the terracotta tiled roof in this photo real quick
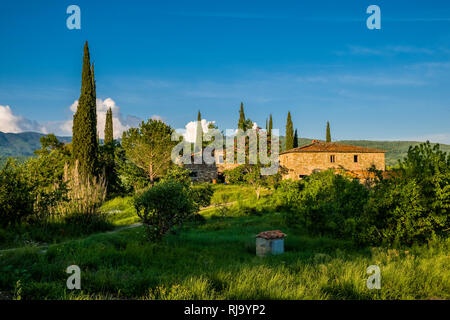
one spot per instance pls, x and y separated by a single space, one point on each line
320 146
269 235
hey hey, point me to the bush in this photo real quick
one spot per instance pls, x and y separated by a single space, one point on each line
328 203
413 205
165 205
202 194
236 175
287 195
16 195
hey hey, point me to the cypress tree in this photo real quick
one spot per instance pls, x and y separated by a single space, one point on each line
109 133
241 123
84 131
199 133
270 125
295 139
328 132
289 132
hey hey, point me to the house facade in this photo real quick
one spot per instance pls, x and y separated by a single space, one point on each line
318 155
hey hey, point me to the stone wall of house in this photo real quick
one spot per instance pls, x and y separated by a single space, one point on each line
202 172
304 163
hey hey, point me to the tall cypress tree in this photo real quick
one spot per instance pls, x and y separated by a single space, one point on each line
270 125
328 132
84 131
289 132
295 139
241 123
199 134
109 134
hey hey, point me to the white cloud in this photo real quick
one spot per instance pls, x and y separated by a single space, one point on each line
120 124
190 131
13 124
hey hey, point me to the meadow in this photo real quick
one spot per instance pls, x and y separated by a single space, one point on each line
215 259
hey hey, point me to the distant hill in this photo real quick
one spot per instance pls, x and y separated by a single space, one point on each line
22 145
396 150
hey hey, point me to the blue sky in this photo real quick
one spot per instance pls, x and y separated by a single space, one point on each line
169 59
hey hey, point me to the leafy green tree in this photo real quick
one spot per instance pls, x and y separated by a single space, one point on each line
295 139
48 143
289 132
109 133
328 203
328 138
16 195
149 147
84 139
413 204
130 176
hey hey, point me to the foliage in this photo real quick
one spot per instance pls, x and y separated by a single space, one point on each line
178 174
163 206
413 205
295 139
241 122
16 195
328 203
131 177
202 194
108 161
109 132
328 135
287 195
149 147
84 141
289 132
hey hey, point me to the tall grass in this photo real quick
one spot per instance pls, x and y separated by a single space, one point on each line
216 260
85 195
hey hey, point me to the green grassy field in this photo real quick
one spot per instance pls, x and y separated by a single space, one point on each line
216 260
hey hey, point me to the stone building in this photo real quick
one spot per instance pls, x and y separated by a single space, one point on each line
318 156
203 172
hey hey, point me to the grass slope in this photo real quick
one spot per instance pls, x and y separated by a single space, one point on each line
216 260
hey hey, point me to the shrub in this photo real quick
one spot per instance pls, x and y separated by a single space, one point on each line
202 194
287 194
236 175
16 195
414 204
163 206
329 203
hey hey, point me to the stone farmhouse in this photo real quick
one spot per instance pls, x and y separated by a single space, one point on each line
317 156
302 161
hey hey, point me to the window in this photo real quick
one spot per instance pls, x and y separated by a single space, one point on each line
193 174
355 158
333 158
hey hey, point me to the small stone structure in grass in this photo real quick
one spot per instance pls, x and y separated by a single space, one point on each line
270 242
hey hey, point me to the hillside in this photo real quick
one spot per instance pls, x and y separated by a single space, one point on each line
22 145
